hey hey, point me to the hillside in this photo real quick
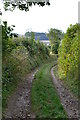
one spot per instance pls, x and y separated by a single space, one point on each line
40 36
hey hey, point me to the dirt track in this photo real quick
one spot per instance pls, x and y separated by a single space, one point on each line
19 105
69 102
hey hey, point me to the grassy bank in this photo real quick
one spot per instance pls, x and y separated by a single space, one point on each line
45 101
19 61
71 83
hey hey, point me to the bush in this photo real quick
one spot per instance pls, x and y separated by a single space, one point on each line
68 58
21 57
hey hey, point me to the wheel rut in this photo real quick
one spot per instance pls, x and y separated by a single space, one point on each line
19 104
69 102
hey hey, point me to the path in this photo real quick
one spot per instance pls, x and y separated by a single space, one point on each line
69 103
19 104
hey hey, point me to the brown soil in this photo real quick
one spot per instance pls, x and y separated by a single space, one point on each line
69 102
19 104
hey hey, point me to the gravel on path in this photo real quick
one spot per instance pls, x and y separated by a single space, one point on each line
19 104
69 102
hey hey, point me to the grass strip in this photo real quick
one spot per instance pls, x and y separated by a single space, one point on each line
45 101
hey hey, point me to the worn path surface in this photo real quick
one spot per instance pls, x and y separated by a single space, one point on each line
69 102
19 104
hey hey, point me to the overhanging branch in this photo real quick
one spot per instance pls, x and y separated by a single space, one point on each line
23 4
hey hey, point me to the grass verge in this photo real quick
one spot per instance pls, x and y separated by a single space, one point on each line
14 71
45 101
71 83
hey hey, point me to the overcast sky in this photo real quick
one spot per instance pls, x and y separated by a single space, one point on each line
60 14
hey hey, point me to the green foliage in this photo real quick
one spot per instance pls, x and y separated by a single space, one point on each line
22 5
4 36
7 44
20 56
24 54
35 47
68 57
55 48
55 37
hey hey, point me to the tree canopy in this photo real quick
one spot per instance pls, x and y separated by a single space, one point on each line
6 34
55 37
23 4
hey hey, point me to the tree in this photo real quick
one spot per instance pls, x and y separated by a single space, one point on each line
55 37
23 4
6 36
32 36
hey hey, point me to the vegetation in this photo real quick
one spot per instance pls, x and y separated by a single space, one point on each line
23 54
45 101
68 58
23 5
20 56
38 36
55 37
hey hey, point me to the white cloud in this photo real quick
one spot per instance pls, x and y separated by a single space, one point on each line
60 14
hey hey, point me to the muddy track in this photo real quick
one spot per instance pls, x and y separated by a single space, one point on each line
19 104
69 102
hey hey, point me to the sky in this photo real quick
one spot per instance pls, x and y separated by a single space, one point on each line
60 14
